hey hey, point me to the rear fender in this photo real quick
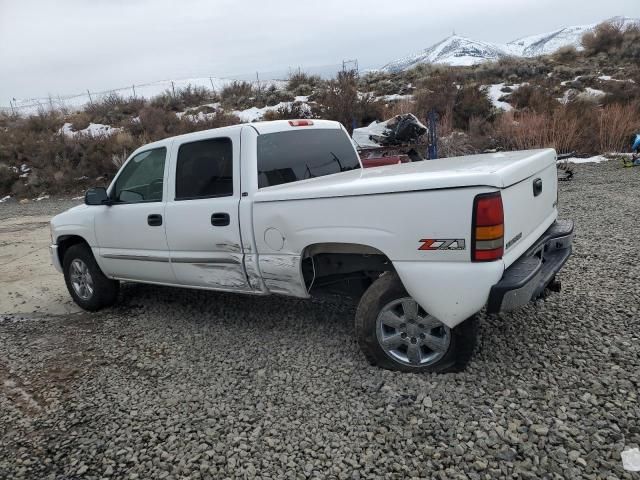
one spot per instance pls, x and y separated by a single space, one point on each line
450 291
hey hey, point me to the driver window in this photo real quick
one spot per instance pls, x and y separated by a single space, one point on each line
142 179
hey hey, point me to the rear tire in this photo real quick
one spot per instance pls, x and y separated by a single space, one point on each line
87 285
395 333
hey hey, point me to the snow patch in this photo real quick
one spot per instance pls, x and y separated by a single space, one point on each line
4 199
93 130
595 159
396 97
42 197
494 92
255 114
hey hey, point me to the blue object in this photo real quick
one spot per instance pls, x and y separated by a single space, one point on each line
432 149
636 143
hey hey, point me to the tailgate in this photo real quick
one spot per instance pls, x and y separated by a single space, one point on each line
530 206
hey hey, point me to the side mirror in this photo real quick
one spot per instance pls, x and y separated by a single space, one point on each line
96 196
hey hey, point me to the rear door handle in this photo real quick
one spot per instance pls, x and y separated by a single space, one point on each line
154 220
220 219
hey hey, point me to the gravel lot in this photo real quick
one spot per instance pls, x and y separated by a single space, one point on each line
186 384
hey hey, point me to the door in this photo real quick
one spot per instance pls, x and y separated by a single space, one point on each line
203 230
131 232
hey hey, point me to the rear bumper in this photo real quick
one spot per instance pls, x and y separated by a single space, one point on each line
528 277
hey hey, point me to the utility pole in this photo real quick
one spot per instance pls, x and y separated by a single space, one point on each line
212 87
353 64
89 93
173 88
133 87
13 112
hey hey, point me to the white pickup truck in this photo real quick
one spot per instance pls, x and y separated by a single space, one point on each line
285 207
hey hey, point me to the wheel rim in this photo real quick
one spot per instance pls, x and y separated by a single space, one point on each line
81 280
411 336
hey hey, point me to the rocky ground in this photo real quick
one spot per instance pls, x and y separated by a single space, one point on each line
187 384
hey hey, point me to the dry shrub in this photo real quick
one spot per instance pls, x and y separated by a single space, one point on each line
113 109
455 144
288 112
568 53
526 130
237 95
339 100
399 107
604 38
471 102
617 123
533 98
301 83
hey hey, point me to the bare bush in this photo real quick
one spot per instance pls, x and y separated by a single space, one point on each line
288 112
617 123
604 38
113 109
301 83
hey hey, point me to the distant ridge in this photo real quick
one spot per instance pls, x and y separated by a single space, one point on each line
461 51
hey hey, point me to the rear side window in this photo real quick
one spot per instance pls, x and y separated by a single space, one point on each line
205 169
290 156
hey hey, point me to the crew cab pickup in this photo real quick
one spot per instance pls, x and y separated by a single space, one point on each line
286 208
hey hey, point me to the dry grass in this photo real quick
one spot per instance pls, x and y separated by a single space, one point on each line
617 123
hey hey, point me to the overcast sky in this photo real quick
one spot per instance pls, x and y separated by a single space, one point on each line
67 46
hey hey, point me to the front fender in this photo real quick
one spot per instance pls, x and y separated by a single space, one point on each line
450 291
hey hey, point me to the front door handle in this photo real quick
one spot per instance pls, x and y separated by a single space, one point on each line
220 219
154 220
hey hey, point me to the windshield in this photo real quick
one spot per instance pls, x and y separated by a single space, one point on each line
290 156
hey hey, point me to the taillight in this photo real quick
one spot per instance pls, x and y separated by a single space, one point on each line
300 123
487 234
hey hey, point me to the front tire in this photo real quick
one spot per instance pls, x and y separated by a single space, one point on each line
395 333
87 285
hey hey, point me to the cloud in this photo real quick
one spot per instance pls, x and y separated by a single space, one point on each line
72 45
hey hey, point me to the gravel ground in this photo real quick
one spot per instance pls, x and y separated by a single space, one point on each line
187 384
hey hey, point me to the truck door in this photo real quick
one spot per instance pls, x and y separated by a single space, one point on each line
203 230
131 232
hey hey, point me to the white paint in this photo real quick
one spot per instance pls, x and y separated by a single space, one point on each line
274 239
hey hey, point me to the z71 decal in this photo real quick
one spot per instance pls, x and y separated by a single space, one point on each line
442 244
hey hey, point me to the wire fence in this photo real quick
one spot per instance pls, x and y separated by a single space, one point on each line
145 90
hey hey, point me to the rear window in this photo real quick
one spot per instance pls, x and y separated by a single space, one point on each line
285 157
205 169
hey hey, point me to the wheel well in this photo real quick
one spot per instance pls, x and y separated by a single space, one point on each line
66 241
348 267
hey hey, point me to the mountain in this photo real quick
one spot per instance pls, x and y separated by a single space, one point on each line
546 43
454 50
461 51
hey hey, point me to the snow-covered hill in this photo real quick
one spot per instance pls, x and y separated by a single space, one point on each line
460 51
454 50
546 43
